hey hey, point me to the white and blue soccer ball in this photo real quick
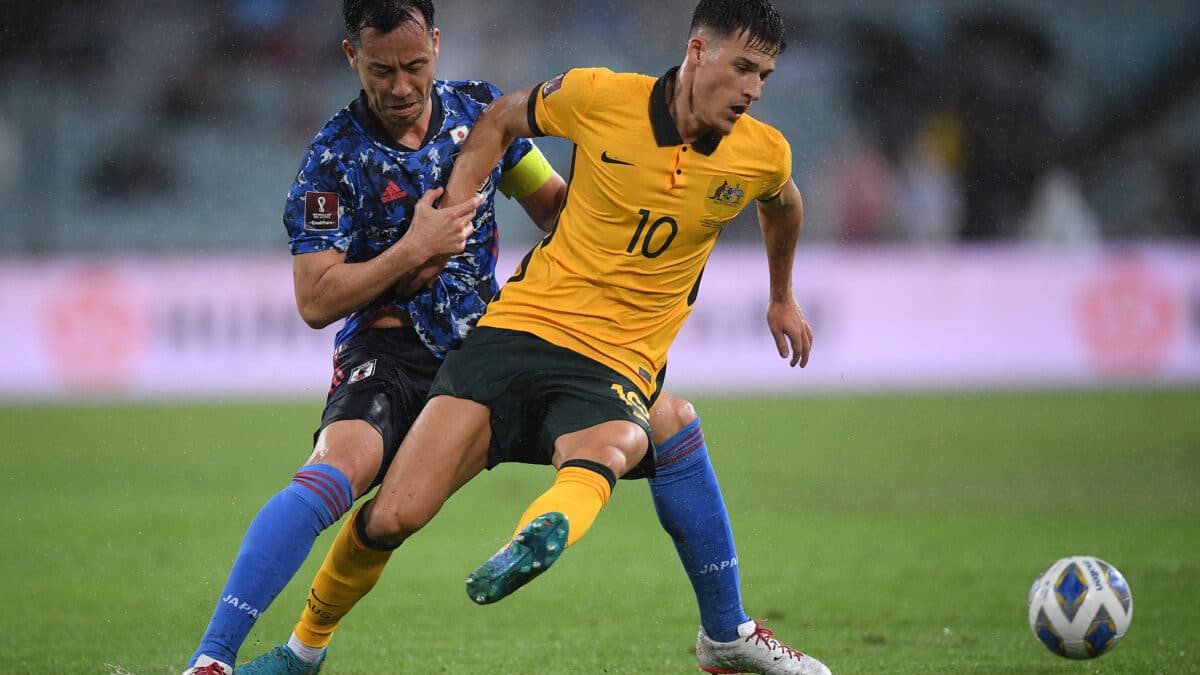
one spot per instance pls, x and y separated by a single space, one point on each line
1080 607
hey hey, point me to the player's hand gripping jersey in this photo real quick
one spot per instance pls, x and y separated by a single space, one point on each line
357 190
642 213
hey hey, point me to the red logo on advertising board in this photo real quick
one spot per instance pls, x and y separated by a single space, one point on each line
94 329
1128 318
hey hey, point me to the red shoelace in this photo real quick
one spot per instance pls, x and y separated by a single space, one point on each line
767 637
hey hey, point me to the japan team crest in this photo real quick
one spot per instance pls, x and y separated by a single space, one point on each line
362 371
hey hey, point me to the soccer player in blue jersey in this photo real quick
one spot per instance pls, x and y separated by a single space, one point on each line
410 279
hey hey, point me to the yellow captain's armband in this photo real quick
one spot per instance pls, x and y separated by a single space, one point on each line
527 176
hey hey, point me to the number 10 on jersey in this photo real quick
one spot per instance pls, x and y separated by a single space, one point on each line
644 237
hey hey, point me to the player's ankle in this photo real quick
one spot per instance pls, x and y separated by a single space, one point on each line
304 652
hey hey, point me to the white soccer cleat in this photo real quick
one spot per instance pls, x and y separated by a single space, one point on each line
755 651
207 666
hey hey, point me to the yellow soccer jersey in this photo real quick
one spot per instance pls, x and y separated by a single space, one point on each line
618 276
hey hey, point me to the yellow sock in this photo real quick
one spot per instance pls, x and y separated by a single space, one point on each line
349 572
579 493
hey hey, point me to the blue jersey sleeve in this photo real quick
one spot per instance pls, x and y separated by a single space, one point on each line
319 213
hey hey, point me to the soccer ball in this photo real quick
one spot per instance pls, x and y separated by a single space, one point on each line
1080 607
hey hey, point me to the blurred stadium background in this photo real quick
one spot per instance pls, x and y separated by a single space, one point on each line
987 185
148 126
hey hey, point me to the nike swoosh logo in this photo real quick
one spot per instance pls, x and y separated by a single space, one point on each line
610 160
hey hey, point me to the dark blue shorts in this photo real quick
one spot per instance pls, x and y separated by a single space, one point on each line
381 376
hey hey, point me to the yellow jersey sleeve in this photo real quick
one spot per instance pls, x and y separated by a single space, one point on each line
774 183
527 176
559 104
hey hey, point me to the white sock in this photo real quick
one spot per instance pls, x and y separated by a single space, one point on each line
205 660
307 654
747 629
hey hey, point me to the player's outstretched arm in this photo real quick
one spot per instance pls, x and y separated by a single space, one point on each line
782 219
502 121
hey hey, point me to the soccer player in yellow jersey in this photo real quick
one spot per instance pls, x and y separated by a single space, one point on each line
567 363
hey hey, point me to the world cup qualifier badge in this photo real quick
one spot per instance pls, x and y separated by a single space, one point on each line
320 211
552 85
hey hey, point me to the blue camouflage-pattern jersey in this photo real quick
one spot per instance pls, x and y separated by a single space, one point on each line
375 183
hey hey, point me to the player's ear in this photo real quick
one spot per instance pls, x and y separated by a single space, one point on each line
697 44
348 50
437 40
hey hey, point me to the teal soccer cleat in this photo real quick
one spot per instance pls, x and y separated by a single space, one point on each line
531 552
280 661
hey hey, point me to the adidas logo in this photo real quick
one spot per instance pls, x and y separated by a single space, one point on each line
393 192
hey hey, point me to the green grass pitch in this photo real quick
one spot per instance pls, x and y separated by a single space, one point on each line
885 534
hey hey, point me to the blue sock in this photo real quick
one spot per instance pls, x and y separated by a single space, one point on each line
691 510
276 544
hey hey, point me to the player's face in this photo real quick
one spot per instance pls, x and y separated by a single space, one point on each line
730 76
396 69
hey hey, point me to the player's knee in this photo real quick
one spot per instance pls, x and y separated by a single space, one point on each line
390 526
618 445
353 447
626 451
620 459
669 415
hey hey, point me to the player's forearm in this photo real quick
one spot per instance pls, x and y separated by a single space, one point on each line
342 288
781 220
781 232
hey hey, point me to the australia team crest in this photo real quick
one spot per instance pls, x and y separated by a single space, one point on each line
725 196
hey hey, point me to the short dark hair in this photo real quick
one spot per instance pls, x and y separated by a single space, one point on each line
758 18
383 15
